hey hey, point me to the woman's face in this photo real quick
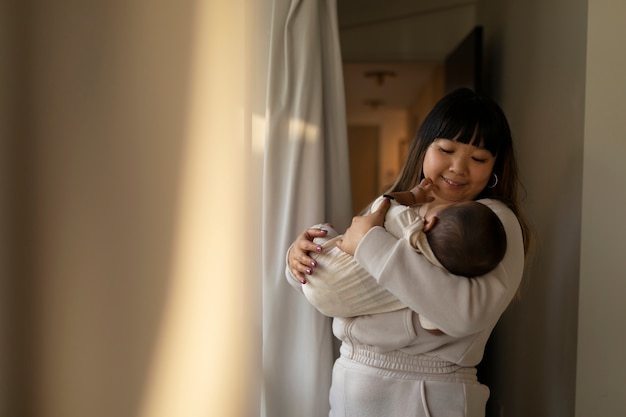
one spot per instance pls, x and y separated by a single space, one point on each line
460 171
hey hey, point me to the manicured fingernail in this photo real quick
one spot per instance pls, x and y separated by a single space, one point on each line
388 197
313 264
303 281
308 271
318 249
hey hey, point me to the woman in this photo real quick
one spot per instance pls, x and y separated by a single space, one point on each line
389 365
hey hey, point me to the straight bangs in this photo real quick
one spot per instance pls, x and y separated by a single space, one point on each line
475 122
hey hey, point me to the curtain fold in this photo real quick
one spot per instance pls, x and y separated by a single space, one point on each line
306 181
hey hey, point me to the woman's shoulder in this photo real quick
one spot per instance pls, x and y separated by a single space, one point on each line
508 218
498 206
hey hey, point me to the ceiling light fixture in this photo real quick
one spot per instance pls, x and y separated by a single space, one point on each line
380 75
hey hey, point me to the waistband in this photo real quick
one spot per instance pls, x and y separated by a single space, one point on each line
402 365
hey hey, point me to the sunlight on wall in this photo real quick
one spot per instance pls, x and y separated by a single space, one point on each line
203 356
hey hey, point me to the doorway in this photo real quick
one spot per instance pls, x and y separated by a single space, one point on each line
363 143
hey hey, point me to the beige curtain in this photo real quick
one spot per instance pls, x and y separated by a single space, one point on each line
306 181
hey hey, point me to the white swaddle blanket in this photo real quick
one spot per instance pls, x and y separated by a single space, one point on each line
342 288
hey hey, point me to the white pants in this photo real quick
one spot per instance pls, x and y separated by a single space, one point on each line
368 384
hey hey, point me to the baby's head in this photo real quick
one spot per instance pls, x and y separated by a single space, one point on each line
467 238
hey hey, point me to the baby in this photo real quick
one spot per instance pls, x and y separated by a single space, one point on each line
466 238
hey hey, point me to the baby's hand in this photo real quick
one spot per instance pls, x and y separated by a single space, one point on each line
420 194
423 192
406 198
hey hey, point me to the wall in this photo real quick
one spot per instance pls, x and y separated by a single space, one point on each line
601 339
428 96
8 13
536 69
127 128
107 122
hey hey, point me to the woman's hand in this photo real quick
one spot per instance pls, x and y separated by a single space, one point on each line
360 226
298 259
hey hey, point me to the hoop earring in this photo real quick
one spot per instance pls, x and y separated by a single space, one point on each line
495 182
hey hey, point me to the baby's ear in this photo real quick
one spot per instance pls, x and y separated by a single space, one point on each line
428 224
